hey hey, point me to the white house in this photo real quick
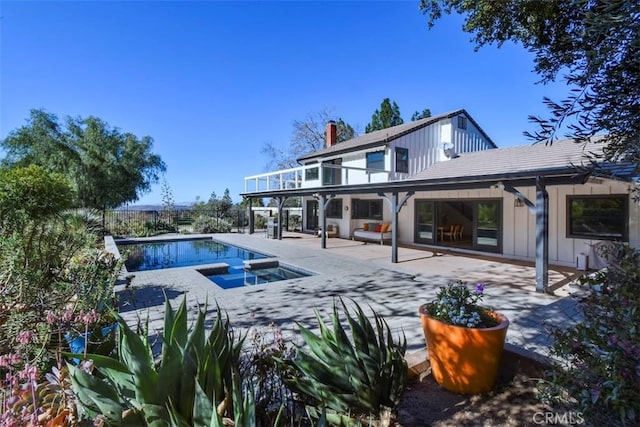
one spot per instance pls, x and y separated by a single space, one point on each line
442 182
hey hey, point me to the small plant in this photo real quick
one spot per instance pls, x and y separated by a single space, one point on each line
598 359
261 372
351 379
458 305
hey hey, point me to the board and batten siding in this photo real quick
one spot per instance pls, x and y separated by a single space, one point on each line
519 225
426 145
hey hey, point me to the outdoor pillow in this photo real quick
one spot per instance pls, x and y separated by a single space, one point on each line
385 227
365 227
377 228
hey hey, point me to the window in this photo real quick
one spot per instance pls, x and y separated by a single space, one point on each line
366 209
375 160
462 122
597 217
334 208
311 174
402 160
332 175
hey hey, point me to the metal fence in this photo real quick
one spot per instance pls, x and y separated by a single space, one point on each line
130 222
139 223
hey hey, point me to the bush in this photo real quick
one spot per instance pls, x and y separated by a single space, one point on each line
31 194
260 222
54 282
599 358
208 224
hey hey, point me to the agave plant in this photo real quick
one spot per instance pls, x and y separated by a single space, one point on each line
195 373
353 378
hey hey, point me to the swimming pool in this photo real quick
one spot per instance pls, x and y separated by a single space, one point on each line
238 276
182 253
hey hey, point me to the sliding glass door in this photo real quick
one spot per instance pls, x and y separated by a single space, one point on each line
487 225
425 214
468 224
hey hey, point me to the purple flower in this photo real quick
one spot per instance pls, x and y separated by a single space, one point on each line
479 288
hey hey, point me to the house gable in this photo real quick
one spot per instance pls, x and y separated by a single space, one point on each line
407 149
385 136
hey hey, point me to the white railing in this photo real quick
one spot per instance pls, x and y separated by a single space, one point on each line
311 176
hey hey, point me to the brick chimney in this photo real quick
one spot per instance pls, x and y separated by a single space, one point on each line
332 133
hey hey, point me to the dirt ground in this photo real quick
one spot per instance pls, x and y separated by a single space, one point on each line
514 401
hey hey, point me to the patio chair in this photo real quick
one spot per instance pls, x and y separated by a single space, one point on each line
459 232
451 234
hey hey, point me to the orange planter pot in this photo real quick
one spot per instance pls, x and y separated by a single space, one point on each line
464 360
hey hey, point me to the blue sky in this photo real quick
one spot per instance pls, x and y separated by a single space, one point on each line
212 82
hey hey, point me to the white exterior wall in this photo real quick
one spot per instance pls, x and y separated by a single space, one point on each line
426 145
518 223
521 244
469 139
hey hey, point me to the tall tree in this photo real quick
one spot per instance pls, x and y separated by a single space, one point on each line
226 203
106 167
595 44
387 116
309 135
426 113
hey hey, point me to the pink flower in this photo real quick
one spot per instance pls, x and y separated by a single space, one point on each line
67 315
4 361
30 372
51 317
24 337
88 317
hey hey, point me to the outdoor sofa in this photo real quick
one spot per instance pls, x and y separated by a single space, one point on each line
373 232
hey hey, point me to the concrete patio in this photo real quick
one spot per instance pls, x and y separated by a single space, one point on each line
365 274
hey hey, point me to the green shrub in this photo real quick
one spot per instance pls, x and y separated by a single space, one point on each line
49 265
29 194
260 222
599 358
208 224
353 379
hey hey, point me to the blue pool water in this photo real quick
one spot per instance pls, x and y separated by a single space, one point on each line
237 276
182 253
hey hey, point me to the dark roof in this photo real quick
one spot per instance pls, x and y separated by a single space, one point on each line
376 138
527 158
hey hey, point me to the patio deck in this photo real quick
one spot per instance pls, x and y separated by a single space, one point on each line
364 273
